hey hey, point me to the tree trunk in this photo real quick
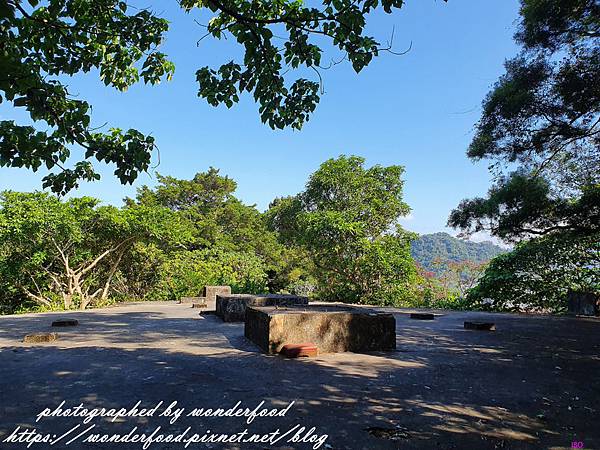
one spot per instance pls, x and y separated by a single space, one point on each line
75 277
112 272
67 300
37 298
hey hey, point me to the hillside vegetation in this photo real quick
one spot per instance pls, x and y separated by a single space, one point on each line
442 247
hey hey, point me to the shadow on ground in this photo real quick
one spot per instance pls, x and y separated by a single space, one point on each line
530 384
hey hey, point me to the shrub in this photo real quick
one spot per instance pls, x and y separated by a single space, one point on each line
537 274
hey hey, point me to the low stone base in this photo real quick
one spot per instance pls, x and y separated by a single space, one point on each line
480 326
583 303
422 316
331 328
65 323
188 300
194 301
35 338
232 308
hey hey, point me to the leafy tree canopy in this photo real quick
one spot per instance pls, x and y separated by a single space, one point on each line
540 127
66 37
41 42
537 274
186 273
346 219
218 217
71 250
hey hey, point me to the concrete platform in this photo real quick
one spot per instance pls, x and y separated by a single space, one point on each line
334 328
232 308
531 384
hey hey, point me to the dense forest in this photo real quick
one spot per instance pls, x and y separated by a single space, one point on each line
338 240
332 241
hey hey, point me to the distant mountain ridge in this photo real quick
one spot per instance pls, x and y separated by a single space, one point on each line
444 247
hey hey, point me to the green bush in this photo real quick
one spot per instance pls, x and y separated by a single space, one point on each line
537 274
186 273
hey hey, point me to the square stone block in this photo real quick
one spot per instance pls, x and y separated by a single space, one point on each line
232 308
583 303
331 328
211 292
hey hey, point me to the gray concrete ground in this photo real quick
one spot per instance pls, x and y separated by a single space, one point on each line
533 383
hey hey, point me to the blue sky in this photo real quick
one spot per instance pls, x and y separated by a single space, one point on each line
417 110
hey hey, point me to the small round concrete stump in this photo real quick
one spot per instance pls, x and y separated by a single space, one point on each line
35 338
65 323
480 326
422 316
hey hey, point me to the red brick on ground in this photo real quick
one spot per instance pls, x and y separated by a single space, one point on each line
299 350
